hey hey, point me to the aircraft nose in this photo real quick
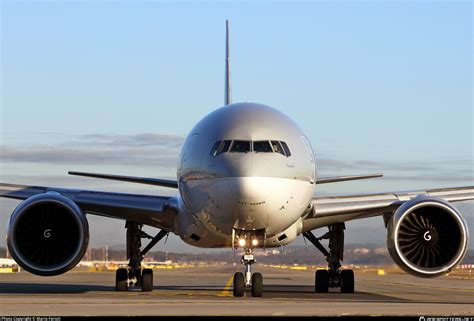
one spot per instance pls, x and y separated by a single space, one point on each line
249 190
235 165
251 197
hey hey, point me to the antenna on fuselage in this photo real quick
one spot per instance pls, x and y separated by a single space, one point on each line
227 95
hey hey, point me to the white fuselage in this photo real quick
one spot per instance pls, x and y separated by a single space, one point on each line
242 184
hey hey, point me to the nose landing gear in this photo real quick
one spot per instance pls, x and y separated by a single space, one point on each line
333 277
249 280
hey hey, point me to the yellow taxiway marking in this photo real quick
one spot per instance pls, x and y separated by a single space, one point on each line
226 291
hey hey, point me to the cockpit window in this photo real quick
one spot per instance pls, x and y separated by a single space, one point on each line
240 146
262 146
215 148
277 147
224 147
244 146
287 150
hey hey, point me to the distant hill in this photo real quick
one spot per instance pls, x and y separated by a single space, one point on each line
357 254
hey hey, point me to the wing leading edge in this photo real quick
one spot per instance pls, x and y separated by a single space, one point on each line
157 211
174 184
336 209
130 179
335 179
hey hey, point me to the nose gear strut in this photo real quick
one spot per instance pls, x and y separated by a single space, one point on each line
249 280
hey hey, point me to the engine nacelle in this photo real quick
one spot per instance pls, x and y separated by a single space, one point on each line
427 236
48 234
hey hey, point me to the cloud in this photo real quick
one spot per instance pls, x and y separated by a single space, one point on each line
61 155
442 176
459 170
332 163
144 139
146 149
160 150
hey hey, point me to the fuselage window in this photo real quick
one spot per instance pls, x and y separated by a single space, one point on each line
277 147
240 146
262 146
215 148
287 150
224 147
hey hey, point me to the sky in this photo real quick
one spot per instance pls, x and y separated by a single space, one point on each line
115 87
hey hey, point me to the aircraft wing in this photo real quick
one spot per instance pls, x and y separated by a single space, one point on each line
337 209
157 211
130 179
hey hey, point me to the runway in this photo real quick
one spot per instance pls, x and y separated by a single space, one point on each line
208 291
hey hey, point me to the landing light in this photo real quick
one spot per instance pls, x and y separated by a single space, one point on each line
242 242
254 242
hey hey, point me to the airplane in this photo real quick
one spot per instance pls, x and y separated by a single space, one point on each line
246 179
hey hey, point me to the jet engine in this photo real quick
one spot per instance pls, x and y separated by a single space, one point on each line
48 234
427 236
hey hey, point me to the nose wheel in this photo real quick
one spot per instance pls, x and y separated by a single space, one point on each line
254 281
239 284
257 284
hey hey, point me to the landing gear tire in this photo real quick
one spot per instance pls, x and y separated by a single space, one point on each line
239 284
121 278
347 281
257 284
321 281
147 280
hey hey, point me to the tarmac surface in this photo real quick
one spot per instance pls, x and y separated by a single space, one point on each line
208 291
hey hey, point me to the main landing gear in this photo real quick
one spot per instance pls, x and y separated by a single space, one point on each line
249 280
333 277
134 275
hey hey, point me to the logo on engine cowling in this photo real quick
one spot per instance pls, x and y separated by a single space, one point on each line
47 233
427 236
